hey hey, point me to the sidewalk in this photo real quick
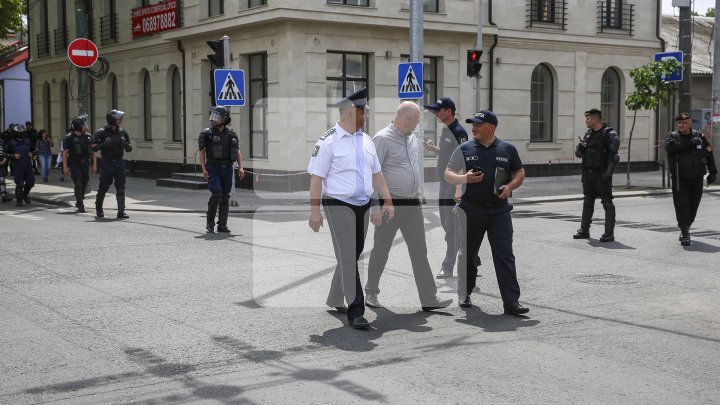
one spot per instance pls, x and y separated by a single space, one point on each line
143 195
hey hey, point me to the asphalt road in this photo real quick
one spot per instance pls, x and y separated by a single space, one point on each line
154 311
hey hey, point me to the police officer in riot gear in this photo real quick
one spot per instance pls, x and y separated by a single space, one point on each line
219 148
20 151
599 152
113 141
78 155
3 172
689 158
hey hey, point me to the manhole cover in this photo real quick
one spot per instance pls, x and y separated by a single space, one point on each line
607 279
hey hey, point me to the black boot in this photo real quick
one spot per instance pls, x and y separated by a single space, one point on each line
213 203
223 214
18 196
587 214
26 193
3 191
609 235
99 199
120 198
685 236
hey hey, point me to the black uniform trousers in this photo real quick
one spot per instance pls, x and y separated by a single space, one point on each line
475 219
112 171
686 199
411 223
595 186
80 174
348 225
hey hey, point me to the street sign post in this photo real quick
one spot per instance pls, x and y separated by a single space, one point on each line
676 76
82 53
230 87
410 80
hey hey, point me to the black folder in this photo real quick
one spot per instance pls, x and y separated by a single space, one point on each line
502 177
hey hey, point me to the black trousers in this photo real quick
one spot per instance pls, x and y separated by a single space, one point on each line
112 171
80 173
348 227
595 186
686 198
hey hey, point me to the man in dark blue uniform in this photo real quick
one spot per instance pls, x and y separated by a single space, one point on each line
452 135
20 152
599 152
219 148
491 169
689 158
113 141
78 155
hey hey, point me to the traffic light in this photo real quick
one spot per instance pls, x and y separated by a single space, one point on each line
218 59
473 62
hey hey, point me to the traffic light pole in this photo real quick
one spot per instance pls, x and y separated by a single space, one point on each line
478 46
416 55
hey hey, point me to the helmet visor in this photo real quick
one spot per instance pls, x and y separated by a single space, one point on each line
118 115
217 118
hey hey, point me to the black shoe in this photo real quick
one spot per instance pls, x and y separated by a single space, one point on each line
607 237
465 301
444 273
18 203
26 199
122 215
81 209
359 323
223 229
685 240
582 234
515 309
99 213
210 228
436 303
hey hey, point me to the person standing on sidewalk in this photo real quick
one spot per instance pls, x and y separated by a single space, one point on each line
21 150
344 170
33 135
113 141
396 147
453 135
480 163
599 152
44 148
219 149
78 154
689 158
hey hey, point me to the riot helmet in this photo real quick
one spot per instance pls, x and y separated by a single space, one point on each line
219 115
17 130
112 117
79 123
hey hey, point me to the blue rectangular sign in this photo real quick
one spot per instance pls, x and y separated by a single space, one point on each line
677 76
410 80
230 87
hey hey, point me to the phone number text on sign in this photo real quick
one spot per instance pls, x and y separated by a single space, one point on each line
154 18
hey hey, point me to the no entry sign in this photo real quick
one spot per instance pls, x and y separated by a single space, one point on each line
82 53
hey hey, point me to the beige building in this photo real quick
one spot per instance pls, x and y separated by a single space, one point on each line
545 62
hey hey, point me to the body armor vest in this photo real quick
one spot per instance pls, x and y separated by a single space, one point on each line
80 148
221 147
113 143
692 161
596 153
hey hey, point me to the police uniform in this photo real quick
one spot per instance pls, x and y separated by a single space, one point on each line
22 168
221 149
599 157
483 211
689 158
113 141
346 162
3 172
79 152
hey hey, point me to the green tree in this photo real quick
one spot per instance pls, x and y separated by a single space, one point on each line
650 92
11 12
710 12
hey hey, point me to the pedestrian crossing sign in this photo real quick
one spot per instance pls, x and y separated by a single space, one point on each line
230 87
410 80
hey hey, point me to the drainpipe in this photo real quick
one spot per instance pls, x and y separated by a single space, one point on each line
491 79
181 48
27 63
658 18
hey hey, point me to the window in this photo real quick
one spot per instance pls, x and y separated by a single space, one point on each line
363 3
47 117
256 3
109 24
610 101
258 105
346 73
546 13
112 89
90 98
146 105
541 104
216 7
60 35
43 38
613 13
616 15
176 105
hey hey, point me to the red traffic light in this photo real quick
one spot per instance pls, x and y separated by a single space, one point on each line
473 62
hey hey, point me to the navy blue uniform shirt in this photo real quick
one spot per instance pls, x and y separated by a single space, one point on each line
472 153
450 138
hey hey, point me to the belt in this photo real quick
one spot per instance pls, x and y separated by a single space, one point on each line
222 164
481 203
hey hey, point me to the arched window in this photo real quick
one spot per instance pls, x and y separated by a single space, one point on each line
64 106
175 105
542 98
112 92
47 112
610 102
146 104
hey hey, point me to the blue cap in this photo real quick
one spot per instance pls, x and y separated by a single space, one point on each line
357 100
444 102
483 116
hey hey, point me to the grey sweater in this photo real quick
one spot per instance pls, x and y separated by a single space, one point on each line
398 155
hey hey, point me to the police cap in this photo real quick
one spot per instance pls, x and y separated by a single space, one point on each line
357 100
445 102
683 116
483 116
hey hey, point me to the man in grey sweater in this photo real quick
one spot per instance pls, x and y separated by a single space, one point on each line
397 151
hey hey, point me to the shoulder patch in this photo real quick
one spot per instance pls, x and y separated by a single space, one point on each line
316 150
327 133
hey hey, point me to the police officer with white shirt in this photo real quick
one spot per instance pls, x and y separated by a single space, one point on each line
344 170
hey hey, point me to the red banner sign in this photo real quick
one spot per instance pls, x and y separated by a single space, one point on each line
155 18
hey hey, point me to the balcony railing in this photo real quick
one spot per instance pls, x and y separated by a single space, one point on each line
546 13
43 45
60 37
108 29
616 16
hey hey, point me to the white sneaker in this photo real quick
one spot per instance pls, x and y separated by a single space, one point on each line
371 300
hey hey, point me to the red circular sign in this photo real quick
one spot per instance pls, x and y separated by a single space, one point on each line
82 53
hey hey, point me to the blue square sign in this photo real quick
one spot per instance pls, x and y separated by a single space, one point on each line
676 76
230 87
410 80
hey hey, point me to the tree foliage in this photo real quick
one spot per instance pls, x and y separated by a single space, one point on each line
11 12
710 12
650 91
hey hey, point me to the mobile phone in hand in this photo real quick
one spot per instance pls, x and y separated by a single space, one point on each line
477 169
